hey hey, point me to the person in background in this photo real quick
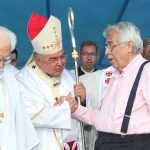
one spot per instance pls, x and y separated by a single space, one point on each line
88 56
124 47
16 129
50 83
146 50
14 57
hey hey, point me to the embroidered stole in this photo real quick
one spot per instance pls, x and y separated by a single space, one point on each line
52 82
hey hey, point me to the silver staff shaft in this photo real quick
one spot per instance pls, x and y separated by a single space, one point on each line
75 57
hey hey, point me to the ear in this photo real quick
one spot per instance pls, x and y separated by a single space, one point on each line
130 46
79 55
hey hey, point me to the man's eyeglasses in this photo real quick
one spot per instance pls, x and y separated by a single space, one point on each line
6 60
86 54
55 59
111 46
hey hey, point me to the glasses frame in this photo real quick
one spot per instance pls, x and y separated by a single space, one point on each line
6 60
112 46
86 54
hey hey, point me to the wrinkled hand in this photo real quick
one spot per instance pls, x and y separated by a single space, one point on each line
59 101
80 91
72 102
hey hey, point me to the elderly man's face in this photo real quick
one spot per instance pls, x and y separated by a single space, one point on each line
52 64
117 53
5 50
146 50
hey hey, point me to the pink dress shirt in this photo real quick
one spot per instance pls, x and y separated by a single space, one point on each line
114 100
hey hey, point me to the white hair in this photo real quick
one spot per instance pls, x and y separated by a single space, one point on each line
127 32
8 37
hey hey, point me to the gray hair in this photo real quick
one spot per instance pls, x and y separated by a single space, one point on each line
127 32
8 36
37 55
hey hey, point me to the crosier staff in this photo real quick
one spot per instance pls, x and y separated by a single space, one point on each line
75 57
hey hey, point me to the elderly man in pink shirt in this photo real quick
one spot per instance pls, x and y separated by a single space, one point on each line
118 130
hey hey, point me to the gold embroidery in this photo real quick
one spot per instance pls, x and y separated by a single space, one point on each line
36 114
56 137
57 43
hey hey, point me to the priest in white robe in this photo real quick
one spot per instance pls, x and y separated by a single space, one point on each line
16 129
44 81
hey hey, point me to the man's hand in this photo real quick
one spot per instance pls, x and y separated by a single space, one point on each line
59 101
80 91
72 102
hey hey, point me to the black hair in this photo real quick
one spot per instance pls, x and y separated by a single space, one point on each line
88 43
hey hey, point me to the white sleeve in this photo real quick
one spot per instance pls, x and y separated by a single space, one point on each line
42 113
54 117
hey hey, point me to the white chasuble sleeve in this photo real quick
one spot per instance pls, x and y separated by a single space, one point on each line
54 117
39 101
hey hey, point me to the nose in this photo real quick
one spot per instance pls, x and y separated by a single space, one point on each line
107 51
89 56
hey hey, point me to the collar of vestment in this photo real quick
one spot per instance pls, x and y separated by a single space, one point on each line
52 81
87 71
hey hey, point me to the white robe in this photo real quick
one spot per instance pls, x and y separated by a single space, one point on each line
18 129
95 83
38 95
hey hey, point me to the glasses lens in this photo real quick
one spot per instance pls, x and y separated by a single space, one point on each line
7 60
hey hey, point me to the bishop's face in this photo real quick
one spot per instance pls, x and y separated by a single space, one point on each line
52 64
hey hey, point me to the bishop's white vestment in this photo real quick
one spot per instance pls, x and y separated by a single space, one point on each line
52 123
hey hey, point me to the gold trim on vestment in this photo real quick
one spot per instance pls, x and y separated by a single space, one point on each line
36 114
54 84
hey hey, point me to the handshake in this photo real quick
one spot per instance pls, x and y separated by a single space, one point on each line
79 91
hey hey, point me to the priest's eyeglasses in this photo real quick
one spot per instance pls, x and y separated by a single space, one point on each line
6 60
86 54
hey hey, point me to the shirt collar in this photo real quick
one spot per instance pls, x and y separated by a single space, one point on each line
130 67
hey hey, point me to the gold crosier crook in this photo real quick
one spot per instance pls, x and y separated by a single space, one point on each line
75 57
